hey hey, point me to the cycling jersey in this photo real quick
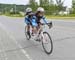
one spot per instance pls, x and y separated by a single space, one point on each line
31 21
38 19
27 20
34 21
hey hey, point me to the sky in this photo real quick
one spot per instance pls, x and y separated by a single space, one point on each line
67 3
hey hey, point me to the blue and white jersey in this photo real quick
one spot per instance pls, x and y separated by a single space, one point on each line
41 18
34 20
31 21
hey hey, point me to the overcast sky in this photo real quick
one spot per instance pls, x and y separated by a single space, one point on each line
67 3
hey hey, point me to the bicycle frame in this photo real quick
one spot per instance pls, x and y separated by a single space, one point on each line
37 35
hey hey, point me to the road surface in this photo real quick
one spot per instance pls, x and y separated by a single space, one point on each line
14 46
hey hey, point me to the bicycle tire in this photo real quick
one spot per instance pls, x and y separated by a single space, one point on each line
27 36
48 52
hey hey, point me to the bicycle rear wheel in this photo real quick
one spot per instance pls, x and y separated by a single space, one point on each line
26 34
47 43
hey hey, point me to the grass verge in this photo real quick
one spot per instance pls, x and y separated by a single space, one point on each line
71 16
61 17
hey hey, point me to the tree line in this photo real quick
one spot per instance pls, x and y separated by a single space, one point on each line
49 6
12 8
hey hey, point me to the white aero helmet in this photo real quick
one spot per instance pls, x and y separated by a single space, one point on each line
28 10
40 9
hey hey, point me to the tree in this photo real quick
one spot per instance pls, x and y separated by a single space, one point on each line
33 4
45 5
44 2
60 4
73 6
51 2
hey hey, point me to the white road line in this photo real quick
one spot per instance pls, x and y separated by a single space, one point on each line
8 33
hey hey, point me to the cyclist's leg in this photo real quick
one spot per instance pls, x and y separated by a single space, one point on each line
34 30
34 25
28 30
39 27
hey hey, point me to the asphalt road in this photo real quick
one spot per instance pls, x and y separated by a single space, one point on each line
14 46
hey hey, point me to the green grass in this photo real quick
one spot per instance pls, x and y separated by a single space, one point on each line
13 15
71 16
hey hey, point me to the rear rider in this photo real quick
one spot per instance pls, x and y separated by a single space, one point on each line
28 19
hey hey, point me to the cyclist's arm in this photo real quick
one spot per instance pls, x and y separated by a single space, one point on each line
45 20
26 20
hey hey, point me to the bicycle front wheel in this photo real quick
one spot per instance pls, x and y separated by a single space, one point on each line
47 43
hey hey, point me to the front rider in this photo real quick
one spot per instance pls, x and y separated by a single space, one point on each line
40 16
